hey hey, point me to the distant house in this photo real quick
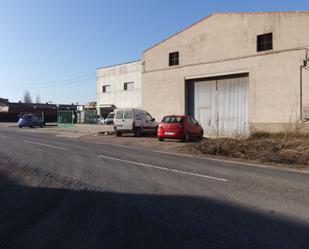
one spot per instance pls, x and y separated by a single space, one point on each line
12 111
4 105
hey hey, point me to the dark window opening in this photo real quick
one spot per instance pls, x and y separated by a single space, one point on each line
106 88
265 42
174 59
128 86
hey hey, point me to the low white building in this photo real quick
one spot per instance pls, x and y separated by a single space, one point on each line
119 86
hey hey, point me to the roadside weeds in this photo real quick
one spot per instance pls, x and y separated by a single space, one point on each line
291 150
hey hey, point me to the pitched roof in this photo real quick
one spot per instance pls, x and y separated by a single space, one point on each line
225 13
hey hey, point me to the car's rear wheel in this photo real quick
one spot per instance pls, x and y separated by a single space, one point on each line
161 139
200 137
186 137
138 132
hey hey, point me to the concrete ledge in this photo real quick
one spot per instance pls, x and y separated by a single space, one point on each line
301 128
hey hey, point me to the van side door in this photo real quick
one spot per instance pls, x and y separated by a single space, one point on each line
118 119
128 120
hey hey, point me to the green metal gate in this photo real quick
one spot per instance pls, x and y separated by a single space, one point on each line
66 119
91 117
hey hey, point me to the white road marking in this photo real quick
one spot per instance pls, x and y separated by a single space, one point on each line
3 136
163 168
46 145
173 153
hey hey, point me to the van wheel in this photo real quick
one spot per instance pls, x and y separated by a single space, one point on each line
156 131
187 137
118 134
138 132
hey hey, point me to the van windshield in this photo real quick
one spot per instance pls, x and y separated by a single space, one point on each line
119 115
172 119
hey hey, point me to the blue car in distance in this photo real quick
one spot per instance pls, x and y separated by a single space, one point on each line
30 121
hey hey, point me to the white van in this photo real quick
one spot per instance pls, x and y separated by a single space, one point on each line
131 120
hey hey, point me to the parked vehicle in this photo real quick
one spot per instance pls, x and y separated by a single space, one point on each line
30 121
179 127
110 118
130 120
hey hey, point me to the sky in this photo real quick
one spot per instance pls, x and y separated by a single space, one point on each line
53 47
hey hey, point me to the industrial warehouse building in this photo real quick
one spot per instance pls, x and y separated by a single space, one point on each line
119 86
234 72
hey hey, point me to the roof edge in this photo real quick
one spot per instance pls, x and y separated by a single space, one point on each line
184 29
224 13
119 64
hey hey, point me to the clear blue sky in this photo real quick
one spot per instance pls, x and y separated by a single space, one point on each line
45 42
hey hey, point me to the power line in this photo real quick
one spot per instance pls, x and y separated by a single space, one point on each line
59 84
56 82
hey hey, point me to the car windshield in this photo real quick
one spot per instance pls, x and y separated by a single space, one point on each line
27 117
172 119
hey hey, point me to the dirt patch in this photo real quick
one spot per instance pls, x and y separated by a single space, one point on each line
288 149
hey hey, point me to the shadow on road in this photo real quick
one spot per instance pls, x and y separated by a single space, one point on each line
33 217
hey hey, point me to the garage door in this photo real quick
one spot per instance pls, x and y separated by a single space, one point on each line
221 106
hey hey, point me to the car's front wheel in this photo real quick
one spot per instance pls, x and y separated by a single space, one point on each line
200 137
186 137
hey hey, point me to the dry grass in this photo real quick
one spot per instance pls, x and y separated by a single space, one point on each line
283 148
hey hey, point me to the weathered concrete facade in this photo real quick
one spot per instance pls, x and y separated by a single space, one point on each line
226 44
113 79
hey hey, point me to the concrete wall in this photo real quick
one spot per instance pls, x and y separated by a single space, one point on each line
116 76
225 44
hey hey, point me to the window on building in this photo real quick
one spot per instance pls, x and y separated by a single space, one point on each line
174 59
106 88
128 86
265 42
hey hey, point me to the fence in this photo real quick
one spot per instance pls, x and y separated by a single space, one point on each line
66 119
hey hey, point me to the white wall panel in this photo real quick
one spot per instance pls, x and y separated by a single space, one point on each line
205 106
233 107
221 106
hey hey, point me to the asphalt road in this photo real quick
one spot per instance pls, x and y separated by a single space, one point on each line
68 193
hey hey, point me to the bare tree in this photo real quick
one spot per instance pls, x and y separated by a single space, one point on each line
38 99
27 97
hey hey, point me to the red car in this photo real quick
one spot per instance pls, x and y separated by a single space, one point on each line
179 127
